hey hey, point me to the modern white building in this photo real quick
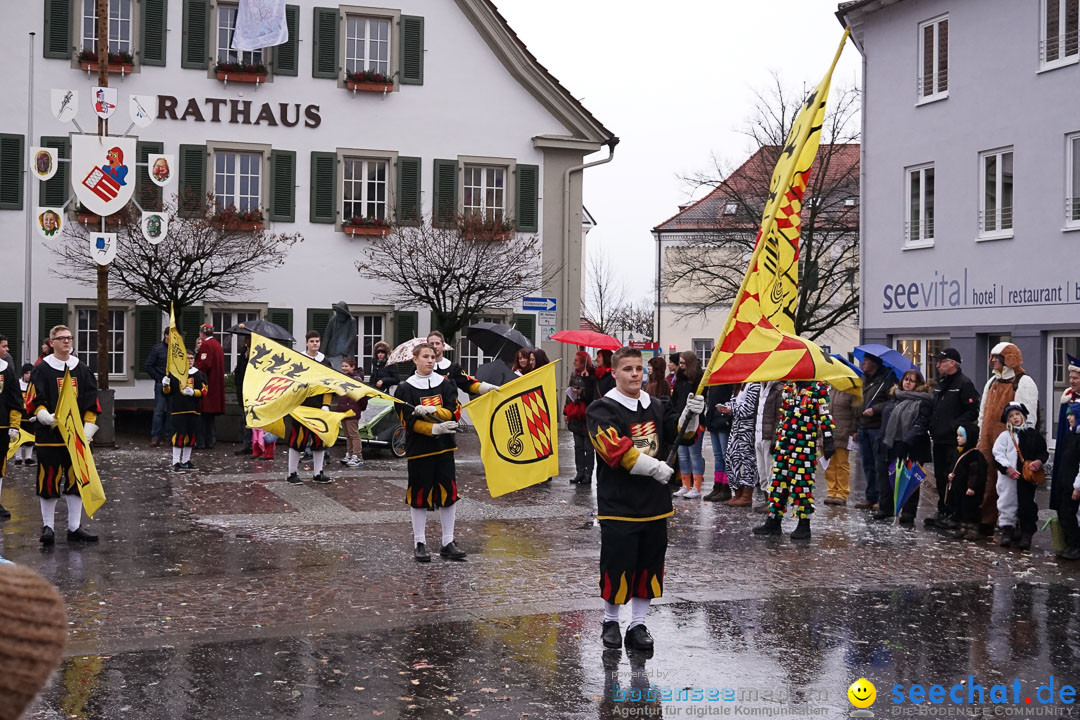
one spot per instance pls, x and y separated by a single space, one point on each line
467 120
971 179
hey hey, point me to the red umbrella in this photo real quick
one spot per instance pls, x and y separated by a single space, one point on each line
587 338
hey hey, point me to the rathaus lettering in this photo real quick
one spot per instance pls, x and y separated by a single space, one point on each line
238 112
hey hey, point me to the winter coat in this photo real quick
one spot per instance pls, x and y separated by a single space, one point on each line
875 394
842 405
716 421
605 381
387 373
575 409
684 386
956 403
211 362
915 444
768 416
156 361
1032 447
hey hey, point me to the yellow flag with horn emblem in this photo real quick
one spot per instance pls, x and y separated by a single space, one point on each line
278 380
517 427
70 424
176 363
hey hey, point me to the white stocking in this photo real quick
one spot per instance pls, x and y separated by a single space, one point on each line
419 521
294 460
447 515
74 503
639 608
48 512
317 457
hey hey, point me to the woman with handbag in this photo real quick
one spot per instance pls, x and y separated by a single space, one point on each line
1019 453
905 435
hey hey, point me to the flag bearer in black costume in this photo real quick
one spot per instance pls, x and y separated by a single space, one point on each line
23 454
429 412
299 436
11 409
630 430
54 464
185 412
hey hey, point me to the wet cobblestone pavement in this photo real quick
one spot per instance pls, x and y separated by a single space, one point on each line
228 593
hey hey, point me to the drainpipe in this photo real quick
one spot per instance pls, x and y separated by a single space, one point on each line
611 143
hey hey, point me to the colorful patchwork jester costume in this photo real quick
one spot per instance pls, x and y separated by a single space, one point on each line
805 422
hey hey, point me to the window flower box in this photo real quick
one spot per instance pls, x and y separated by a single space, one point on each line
367 81
479 229
123 63
85 217
366 226
241 73
233 221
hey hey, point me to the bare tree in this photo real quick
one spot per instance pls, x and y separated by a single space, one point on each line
204 256
605 295
457 271
708 269
638 319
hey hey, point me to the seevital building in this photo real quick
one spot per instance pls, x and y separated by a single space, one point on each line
468 121
971 180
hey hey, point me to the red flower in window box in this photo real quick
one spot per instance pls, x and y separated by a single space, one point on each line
232 219
123 62
240 72
369 81
365 226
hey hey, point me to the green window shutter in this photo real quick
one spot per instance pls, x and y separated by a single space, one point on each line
11 328
444 188
57 42
287 55
526 325
146 192
318 319
412 50
188 325
323 187
54 192
528 198
49 316
408 191
155 15
195 52
147 334
324 52
12 157
280 316
282 186
192 180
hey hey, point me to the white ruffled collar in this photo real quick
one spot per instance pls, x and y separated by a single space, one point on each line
192 370
58 365
629 403
319 357
425 382
3 364
443 364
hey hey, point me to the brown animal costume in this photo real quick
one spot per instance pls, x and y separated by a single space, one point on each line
1010 384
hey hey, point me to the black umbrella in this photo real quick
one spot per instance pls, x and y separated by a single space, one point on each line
496 339
264 328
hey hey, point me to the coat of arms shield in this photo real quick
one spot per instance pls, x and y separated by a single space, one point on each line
100 172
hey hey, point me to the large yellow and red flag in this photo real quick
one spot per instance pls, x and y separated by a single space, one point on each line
176 363
759 340
70 424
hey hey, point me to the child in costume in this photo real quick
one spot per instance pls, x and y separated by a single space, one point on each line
1018 443
967 482
23 456
11 415
300 436
430 412
630 430
804 421
187 393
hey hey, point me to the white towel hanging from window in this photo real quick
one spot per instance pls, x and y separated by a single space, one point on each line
260 24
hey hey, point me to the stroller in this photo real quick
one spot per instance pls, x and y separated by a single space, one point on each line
380 427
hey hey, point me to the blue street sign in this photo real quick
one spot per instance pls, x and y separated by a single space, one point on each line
538 303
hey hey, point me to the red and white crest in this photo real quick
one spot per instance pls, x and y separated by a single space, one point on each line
104 99
102 172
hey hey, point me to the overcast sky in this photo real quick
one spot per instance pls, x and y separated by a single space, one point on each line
675 86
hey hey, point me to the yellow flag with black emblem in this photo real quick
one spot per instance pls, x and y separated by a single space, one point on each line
278 380
517 426
69 422
176 363
24 437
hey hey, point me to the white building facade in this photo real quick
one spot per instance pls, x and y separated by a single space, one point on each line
971 180
460 117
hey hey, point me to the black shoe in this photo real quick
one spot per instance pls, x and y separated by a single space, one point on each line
933 520
881 515
947 524
771 527
177 467
48 537
907 521
294 478
4 514
322 478
1005 536
243 451
1024 543
1070 553
188 465
421 554
81 535
451 551
18 462
638 638
802 530
31 461
610 634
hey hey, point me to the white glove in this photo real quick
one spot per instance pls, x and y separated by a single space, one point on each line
691 414
325 408
487 387
166 381
444 428
89 430
422 410
13 434
188 391
658 470
46 418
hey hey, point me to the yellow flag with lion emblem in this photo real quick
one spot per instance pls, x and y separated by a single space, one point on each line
517 427
70 424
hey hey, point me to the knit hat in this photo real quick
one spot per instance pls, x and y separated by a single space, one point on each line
33 629
1013 406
